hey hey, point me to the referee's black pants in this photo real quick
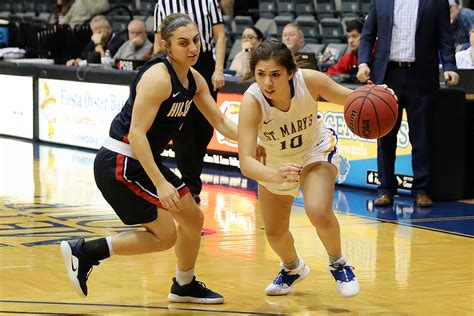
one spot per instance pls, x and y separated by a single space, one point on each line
191 141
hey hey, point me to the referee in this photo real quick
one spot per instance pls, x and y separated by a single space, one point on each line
191 142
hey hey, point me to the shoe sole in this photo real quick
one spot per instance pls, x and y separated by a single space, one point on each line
350 295
197 300
303 276
67 256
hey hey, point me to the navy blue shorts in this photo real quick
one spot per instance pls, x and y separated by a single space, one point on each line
128 189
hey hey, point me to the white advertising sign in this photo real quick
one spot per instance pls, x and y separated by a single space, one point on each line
78 113
16 106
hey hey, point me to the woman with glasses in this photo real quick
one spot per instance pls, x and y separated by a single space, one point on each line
251 39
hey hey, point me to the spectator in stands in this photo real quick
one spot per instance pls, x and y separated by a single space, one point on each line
81 11
410 37
465 58
293 38
138 46
462 19
252 37
103 39
349 62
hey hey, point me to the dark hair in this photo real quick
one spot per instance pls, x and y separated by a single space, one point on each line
257 31
172 22
272 49
354 25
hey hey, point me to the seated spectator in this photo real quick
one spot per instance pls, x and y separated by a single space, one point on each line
81 11
251 39
102 40
138 46
465 58
293 38
348 63
462 20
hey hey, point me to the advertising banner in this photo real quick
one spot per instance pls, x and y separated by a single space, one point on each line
78 113
16 108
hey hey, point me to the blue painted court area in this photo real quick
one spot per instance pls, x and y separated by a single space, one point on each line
449 217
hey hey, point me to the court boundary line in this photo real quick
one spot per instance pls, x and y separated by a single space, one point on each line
151 307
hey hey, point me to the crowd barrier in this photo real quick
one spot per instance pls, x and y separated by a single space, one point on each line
74 106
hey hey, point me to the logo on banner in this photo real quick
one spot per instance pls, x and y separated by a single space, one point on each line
230 109
404 182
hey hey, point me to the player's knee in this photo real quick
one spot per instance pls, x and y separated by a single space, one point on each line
319 215
195 218
274 234
165 240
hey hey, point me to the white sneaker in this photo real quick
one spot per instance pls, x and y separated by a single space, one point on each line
286 279
346 282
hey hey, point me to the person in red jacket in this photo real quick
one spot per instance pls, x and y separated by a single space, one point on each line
348 63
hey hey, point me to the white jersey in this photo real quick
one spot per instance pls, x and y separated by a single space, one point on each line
296 135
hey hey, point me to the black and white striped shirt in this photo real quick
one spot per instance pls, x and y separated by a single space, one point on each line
205 14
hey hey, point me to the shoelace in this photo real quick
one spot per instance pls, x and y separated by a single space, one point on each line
341 268
279 278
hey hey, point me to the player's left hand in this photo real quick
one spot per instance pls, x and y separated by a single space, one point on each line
218 79
370 83
451 77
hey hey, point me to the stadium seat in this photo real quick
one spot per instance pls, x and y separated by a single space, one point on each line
267 8
333 31
311 29
350 8
286 7
325 8
281 21
241 22
305 8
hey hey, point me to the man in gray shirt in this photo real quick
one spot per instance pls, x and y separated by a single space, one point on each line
138 47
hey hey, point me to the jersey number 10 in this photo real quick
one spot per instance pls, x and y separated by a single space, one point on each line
295 142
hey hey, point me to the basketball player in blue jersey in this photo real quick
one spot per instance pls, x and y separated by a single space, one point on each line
281 110
132 178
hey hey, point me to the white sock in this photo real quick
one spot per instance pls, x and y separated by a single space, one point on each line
184 277
292 265
109 243
340 260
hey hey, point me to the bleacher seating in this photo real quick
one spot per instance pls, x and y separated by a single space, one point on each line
333 31
241 22
364 7
311 29
236 48
325 8
286 8
267 8
350 8
281 21
305 8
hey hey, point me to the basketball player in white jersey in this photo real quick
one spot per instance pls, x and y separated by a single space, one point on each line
281 110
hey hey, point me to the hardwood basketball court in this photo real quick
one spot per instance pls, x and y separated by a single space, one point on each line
408 261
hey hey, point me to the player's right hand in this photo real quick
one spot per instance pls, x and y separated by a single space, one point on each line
288 172
169 197
363 74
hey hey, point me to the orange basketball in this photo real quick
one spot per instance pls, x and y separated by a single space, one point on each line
371 111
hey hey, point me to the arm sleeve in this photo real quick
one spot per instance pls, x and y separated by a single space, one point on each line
369 33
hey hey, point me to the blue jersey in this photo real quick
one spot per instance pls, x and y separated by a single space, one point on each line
170 116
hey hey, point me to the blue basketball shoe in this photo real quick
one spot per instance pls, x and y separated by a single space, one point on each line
286 279
194 292
346 282
78 264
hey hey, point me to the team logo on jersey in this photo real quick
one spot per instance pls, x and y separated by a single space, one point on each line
179 109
